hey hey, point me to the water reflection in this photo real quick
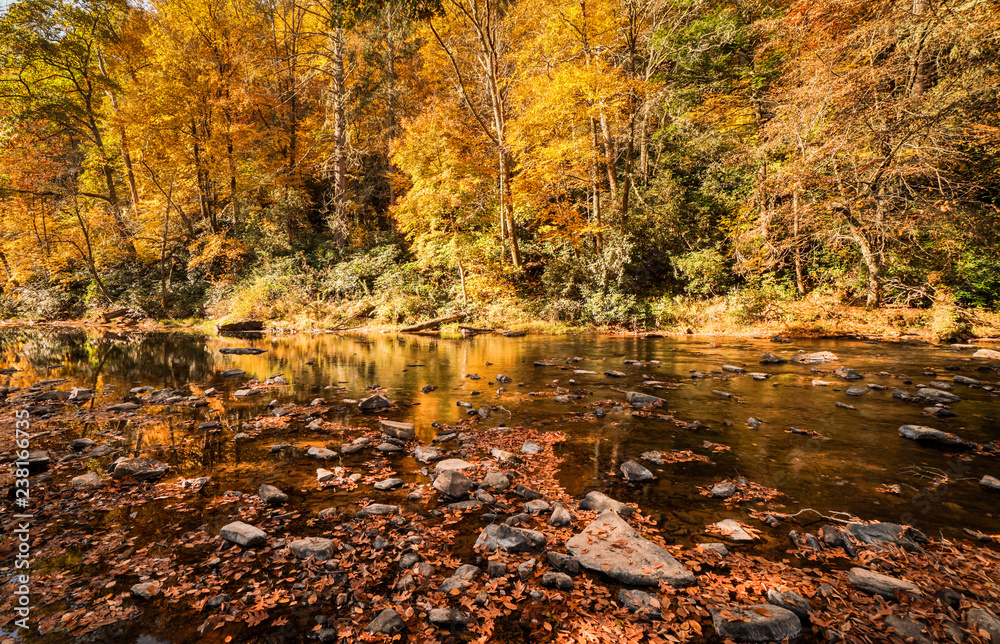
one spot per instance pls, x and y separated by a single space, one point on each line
863 452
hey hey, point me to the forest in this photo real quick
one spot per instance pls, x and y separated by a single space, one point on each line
614 163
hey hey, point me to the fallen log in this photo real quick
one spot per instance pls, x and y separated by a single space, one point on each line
430 324
111 315
237 327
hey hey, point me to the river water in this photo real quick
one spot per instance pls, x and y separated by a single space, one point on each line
863 450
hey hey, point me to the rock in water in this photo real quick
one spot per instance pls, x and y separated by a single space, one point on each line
315 547
452 464
762 623
637 398
990 482
770 358
426 454
814 358
931 435
723 490
140 469
847 374
501 535
232 373
875 584
733 530
611 546
377 510
145 590
388 622
453 483
937 396
272 495
402 431
600 502
989 354
636 473
243 534
377 402
557 580
856 391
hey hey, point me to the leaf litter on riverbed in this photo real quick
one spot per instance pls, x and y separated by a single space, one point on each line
272 591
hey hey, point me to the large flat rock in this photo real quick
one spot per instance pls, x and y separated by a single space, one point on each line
243 534
611 546
761 623
931 435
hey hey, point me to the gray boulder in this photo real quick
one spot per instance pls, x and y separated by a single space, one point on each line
790 600
495 481
641 603
557 580
243 534
600 502
426 454
402 431
931 435
637 398
847 373
980 619
388 622
448 618
990 482
611 546
388 484
562 518
272 495
377 510
911 630
770 358
501 535
378 402
453 483
140 469
937 396
635 473
315 547
874 583
762 623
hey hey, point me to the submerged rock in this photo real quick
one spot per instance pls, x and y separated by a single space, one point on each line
733 530
635 473
847 373
814 358
611 546
931 435
377 510
770 358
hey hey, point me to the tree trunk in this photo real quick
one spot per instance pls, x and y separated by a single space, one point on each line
796 245
506 207
339 140
919 72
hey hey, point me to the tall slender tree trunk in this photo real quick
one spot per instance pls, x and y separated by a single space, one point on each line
339 139
796 244
919 73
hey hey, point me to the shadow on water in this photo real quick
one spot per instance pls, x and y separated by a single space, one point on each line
864 450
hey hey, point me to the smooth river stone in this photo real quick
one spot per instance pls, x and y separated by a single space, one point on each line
611 546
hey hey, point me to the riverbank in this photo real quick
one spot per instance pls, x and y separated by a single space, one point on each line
800 319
